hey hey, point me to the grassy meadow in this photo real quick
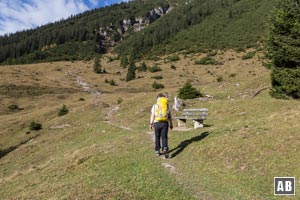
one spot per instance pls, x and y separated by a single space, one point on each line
103 149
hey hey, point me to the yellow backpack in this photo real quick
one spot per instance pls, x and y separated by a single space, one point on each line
161 109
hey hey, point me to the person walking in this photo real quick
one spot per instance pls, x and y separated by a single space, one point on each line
161 121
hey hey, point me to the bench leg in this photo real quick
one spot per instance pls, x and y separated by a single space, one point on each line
198 124
181 122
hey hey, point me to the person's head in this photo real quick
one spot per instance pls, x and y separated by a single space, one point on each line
160 95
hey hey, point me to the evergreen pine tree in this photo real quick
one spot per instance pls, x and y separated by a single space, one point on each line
143 67
131 72
97 65
283 47
124 62
63 111
188 92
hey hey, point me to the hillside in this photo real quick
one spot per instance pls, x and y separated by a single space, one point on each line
102 148
80 36
142 28
199 25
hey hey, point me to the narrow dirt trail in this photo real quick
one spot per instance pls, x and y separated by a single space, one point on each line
109 115
111 111
74 75
165 164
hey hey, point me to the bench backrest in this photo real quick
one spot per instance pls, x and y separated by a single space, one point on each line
195 112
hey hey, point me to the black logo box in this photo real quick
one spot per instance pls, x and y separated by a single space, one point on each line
284 186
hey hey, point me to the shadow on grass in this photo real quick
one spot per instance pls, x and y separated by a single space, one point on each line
186 143
12 148
208 125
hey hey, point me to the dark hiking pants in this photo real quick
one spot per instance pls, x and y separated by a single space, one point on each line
161 135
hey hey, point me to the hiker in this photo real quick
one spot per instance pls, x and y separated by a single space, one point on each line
161 120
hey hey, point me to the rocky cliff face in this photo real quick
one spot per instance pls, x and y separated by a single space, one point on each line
111 35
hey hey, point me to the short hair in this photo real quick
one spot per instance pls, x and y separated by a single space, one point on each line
160 95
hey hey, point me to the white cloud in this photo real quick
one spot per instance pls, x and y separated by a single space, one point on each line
18 15
94 2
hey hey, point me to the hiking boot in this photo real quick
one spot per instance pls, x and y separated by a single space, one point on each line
166 153
157 153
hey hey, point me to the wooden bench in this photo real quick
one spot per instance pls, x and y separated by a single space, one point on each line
198 115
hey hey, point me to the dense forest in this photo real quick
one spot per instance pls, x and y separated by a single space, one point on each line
142 27
202 24
77 37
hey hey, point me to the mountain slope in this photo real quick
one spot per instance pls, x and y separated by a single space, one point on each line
102 148
203 24
142 27
80 36
241 24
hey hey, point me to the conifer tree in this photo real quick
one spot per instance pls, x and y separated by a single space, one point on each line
131 72
188 92
284 49
124 62
97 65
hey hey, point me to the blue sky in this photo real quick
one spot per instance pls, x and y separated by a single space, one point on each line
18 15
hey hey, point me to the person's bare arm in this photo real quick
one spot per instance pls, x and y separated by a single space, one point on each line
170 121
151 120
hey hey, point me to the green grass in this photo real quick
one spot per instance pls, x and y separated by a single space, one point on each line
247 141
93 161
242 153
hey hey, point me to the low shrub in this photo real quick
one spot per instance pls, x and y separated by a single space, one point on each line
154 69
232 75
249 55
206 61
267 65
63 111
112 82
111 59
220 79
240 49
157 77
152 57
34 126
143 67
173 58
156 85
212 53
13 107
120 100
